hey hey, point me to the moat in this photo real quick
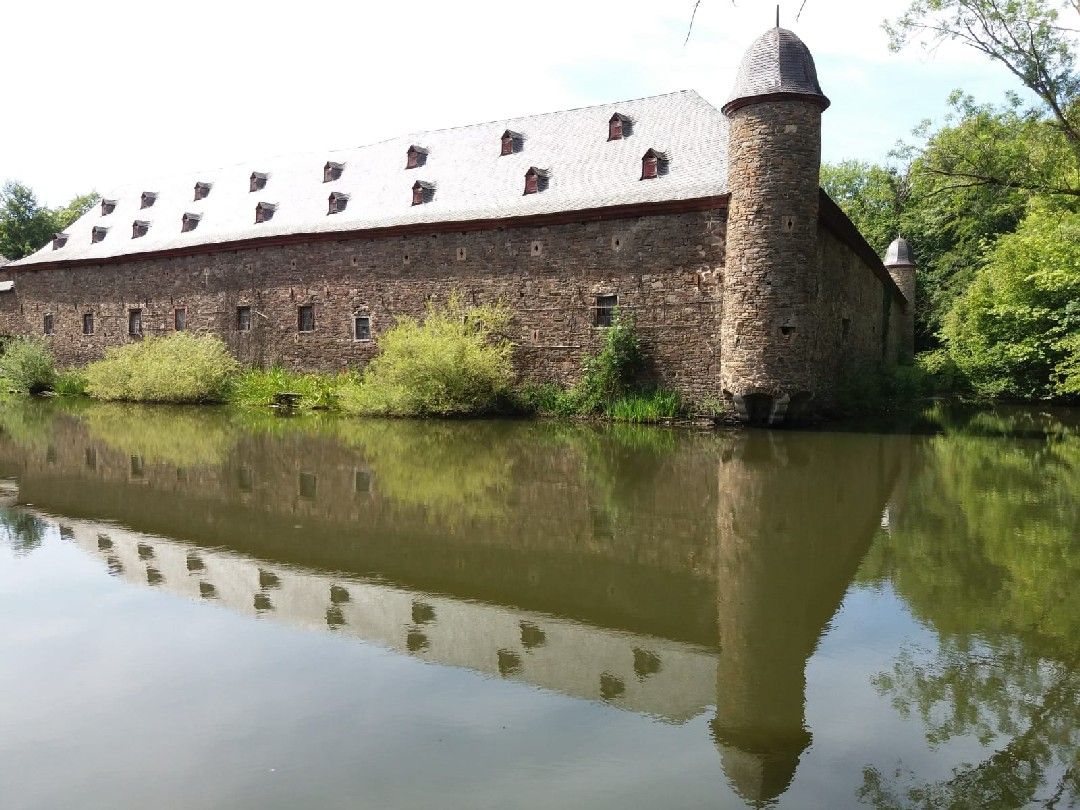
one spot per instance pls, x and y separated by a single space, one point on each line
213 608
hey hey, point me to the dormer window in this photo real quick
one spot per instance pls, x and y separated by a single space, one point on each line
139 228
653 164
416 157
258 181
59 240
512 142
189 222
422 192
107 207
98 233
332 171
202 191
338 202
619 127
148 199
536 180
264 212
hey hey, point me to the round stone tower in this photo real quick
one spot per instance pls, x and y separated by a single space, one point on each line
900 262
774 163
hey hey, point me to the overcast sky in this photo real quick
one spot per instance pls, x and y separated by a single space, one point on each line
100 94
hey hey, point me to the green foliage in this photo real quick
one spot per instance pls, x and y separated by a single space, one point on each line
257 388
871 195
545 399
1014 331
940 372
179 368
27 366
654 406
26 225
612 373
456 362
184 437
71 382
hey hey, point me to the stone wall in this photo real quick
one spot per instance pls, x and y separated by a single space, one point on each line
664 268
858 321
769 285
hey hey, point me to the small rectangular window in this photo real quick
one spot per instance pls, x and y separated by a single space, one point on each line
362 327
180 319
305 318
308 485
135 322
243 319
47 324
605 310
88 323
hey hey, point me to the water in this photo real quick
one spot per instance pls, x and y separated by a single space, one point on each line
201 608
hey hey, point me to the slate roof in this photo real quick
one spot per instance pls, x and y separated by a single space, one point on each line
473 180
777 62
899 254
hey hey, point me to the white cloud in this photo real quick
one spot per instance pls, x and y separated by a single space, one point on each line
110 91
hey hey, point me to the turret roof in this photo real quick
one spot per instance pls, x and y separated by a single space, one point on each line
777 63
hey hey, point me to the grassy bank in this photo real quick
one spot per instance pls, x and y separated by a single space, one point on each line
456 362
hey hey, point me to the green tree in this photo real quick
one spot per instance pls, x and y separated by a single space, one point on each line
1037 147
873 196
1014 332
26 224
949 227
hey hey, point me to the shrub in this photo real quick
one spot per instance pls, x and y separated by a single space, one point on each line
654 406
257 388
547 399
179 368
457 362
27 366
70 383
611 374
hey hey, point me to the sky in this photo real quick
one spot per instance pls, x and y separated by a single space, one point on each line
100 94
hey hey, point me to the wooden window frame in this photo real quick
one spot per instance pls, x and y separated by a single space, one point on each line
302 321
356 332
604 310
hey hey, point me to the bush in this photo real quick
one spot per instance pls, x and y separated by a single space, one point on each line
257 388
456 362
27 366
1013 332
654 406
547 399
611 374
70 383
179 368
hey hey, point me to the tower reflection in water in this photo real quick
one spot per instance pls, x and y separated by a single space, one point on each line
663 573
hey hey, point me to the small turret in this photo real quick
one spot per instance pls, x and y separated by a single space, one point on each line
772 239
900 262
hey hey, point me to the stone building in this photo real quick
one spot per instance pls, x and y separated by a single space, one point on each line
748 285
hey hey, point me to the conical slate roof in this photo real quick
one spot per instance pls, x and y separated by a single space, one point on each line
899 254
778 63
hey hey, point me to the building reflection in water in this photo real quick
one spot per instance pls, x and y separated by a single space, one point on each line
662 573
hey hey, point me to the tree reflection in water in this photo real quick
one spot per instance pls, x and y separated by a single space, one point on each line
986 553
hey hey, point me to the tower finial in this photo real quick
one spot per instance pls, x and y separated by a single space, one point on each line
777 15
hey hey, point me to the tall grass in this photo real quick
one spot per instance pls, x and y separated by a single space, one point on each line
642 408
258 387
